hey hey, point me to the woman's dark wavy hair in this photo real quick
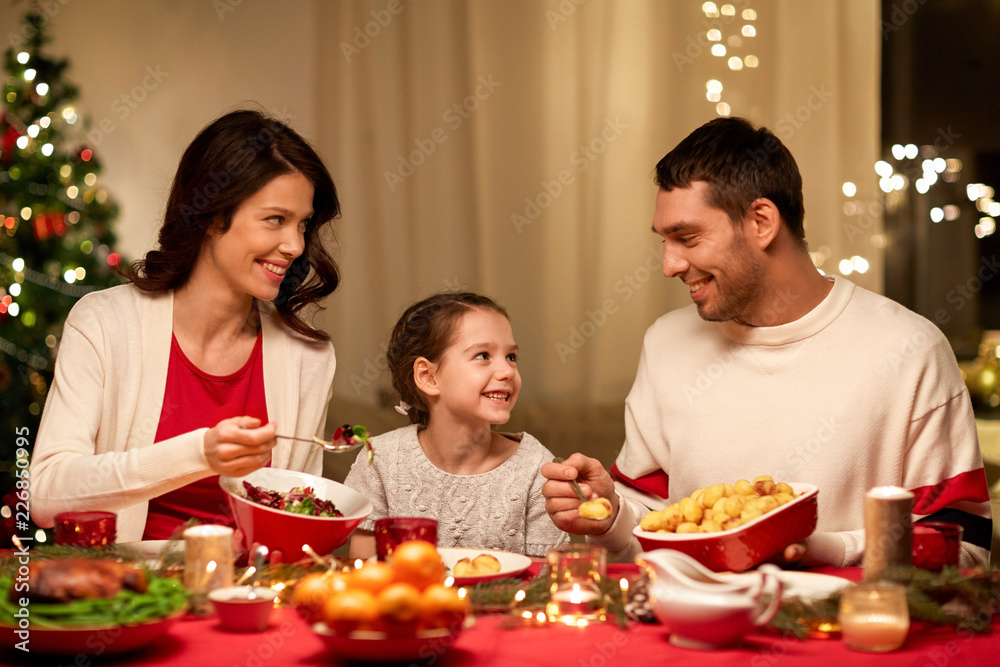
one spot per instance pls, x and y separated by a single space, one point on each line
425 330
230 160
740 163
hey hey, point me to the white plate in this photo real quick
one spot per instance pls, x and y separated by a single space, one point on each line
804 585
511 564
153 548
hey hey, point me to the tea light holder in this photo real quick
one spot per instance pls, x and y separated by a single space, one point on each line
390 532
888 529
575 596
874 616
936 544
208 561
85 529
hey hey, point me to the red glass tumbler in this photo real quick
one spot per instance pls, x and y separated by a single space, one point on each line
393 531
85 529
935 544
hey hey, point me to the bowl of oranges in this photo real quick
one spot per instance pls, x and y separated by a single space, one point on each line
390 611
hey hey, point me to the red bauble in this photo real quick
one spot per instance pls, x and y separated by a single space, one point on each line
49 224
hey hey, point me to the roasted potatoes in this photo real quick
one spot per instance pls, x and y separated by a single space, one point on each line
720 507
480 565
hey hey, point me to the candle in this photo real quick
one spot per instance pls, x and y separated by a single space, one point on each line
208 558
874 616
875 632
888 529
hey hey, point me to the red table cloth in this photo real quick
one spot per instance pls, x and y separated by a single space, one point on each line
194 642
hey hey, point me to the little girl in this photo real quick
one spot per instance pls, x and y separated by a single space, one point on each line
453 361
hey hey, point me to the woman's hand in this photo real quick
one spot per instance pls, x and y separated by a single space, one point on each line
239 445
561 501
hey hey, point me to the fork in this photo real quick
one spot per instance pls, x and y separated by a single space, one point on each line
576 485
328 445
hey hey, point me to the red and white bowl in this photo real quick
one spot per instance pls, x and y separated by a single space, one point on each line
283 531
752 543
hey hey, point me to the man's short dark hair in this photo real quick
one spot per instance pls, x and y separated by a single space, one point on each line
740 163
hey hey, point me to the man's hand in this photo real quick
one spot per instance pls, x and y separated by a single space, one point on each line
561 501
239 445
791 556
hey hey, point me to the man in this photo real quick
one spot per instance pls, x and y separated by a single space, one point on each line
777 369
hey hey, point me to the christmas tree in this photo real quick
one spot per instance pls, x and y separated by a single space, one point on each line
56 243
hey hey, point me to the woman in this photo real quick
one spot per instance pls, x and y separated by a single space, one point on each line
188 372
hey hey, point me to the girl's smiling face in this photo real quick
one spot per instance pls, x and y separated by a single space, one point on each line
266 235
476 379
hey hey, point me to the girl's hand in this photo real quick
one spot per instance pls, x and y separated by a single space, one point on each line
239 445
561 501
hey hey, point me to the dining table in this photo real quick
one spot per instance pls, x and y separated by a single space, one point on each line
200 641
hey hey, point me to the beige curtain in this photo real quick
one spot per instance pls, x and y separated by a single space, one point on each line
508 147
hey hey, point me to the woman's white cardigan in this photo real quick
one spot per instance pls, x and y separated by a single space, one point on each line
94 448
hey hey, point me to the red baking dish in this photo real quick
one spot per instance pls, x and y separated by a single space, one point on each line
752 543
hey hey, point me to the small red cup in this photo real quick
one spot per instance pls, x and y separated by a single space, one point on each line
935 544
85 529
393 531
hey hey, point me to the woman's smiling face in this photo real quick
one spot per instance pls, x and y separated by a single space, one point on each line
266 235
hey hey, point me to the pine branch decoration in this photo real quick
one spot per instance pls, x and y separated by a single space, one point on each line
949 597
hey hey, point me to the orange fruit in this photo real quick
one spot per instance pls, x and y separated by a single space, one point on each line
443 607
399 608
350 610
417 563
371 577
313 590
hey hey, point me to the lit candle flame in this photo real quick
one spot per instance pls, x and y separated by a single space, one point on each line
209 570
17 542
312 554
246 575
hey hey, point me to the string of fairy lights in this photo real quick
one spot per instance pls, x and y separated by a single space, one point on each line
34 137
731 42
728 47
935 169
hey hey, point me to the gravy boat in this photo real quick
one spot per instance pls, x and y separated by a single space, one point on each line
703 610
